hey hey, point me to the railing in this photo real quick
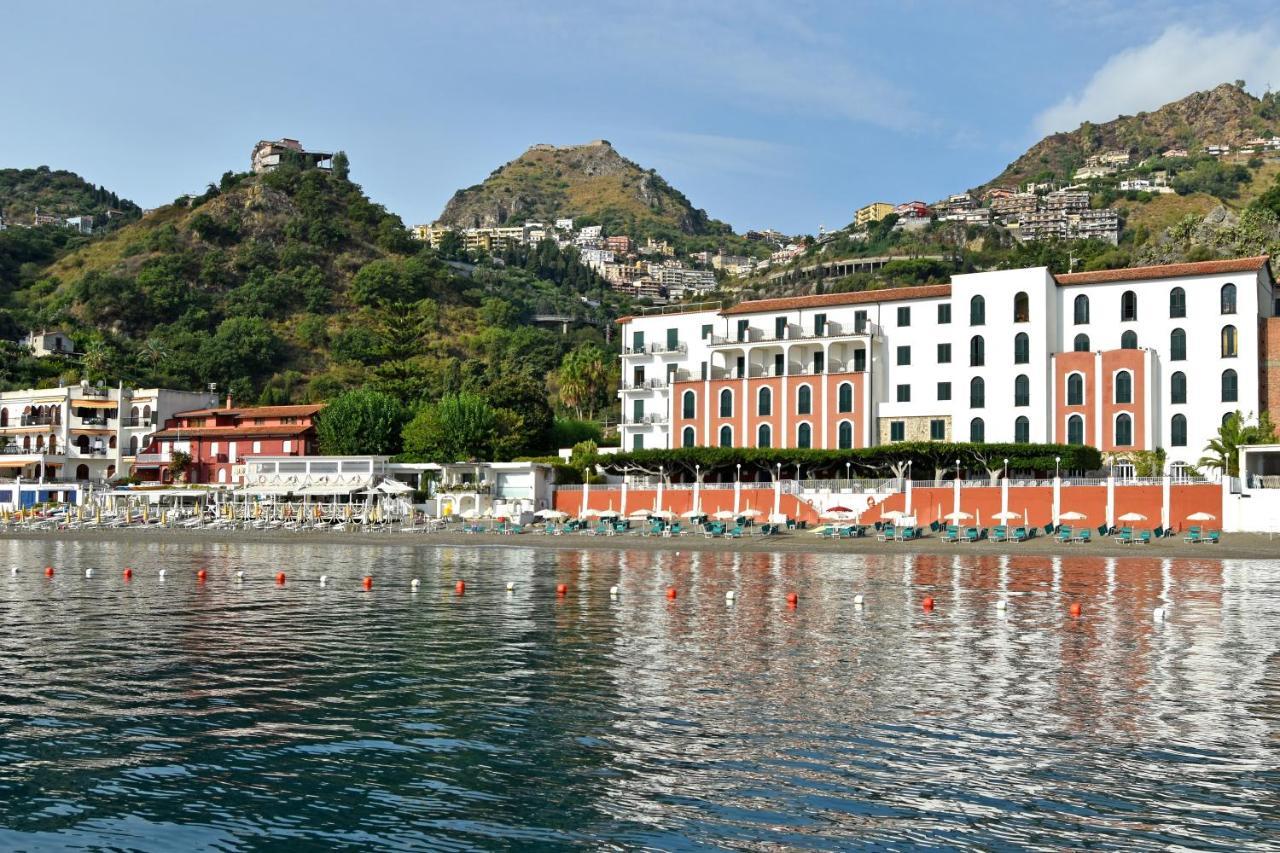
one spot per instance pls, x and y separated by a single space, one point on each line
93 420
88 451
854 485
647 385
657 349
38 420
95 392
832 330
646 419
151 459
138 422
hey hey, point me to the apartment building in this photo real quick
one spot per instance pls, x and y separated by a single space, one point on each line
873 212
81 432
1109 359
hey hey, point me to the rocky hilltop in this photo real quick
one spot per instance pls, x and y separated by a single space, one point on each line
592 183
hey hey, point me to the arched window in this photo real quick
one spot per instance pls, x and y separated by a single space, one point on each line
1075 430
688 405
1230 387
133 445
1228 298
4 417
1128 306
1022 431
1177 345
1021 348
53 444
1177 302
1075 389
804 436
1021 308
764 404
977 431
1124 387
844 435
1129 340
82 443
726 436
82 472
977 311
687 437
1230 344
726 403
804 400
133 413
1081 343
844 397
1082 310
764 436
111 471
1178 387
1178 431
146 413
111 442
1124 431
1021 390
977 393
977 351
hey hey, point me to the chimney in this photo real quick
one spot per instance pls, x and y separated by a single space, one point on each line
228 401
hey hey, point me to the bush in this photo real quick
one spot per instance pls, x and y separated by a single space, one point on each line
566 432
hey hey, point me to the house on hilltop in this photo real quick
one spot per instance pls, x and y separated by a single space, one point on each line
268 154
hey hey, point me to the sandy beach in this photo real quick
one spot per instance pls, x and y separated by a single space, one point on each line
1240 546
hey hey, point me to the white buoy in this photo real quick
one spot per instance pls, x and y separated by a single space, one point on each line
162 574
613 592
511 586
88 573
414 584
324 580
239 577
1001 604
857 600
1158 614
13 570
730 596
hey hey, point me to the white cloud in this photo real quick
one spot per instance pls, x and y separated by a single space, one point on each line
1181 61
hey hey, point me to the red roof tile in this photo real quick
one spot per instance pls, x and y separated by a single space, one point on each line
1165 271
257 411
891 294
233 432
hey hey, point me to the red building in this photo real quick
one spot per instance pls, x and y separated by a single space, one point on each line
219 440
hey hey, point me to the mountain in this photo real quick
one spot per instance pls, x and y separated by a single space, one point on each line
57 193
592 183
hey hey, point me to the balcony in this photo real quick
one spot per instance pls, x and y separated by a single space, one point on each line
100 393
795 333
38 420
644 420
138 422
151 459
88 452
657 349
646 385
95 421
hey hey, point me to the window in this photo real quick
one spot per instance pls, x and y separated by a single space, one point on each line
1129 340
1022 431
819 362
897 430
1075 389
673 340
687 437
779 364
1021 308
937 430
1177 345
688 405
1022 390
1226 419
977 393
763 435
944 313
257 447
1177 302
726 403
819 324
1124 387
779 327
764 402
904 316
1081 343
1228 298
944 353
844 397
904 355
860 360
726 436
1128 307
977 311
1178 387
1124 431
133 445
1230 344
944 390
804 436
1082 310
1230 387
1021 348
637 341
977 351
1075 430
860 322
844 435
904 393
287 448
1178 431
637 441
637 412
804 400
743 328
706 332
977 431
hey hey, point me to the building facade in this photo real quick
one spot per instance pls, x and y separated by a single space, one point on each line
1124 360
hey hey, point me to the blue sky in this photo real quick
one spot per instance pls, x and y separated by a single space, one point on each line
783 115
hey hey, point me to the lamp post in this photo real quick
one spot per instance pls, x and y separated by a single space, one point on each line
1057 463
697 488
847 482
1006 469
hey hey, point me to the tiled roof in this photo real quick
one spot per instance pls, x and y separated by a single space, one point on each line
1165 271
892 294
257 411
233 432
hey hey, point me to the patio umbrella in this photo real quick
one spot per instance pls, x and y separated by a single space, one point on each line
1201 516
691 513
641 513
778 518
725 515
590 512
1007 515
838 509
608 513
750 513
1132 516
957 516
1073 516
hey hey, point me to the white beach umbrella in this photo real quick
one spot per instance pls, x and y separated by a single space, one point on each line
691 513
550 513
957 516
1073 516
750 512
725 515
893 514
469 514
1007 515
663 513
608 513
641 513
1201 516
1132 516
778 518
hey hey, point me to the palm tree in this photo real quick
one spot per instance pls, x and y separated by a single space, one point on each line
1223 452
96 361
153 350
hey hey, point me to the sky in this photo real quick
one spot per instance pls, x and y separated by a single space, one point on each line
766 114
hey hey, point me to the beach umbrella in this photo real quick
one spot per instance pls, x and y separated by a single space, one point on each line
1132 516
469 514
750 512
590 512
725 515
1073 516
820 529
1201 516
691 513
837 515
1007 515
549 513
663 513
892 514
778 518
957 516
608 513
838 509
641 513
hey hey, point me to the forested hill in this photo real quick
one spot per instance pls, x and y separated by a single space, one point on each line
294 286
56 193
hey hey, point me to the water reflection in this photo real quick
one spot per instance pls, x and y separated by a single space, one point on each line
152 714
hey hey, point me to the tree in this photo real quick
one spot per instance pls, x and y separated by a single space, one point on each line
1222 453
241 348
178 462
360 422
459 427
97 361
341 166
584 380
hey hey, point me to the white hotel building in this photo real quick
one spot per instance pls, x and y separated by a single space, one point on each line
1123 360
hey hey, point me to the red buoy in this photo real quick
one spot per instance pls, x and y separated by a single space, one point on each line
792 599
368 582
48 571
460 587
562 589
202 575
671 592
1075 609
128 574
927 604
280 578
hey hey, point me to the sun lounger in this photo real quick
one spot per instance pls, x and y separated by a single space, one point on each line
1193 535
953 534
1212 537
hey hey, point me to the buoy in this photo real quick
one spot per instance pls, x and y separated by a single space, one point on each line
1075 609
13 570
792 599
460 587
1158 614
368 582
927 604
857 600
324 580
48 571
280 578
1001 604
671 592
730 595
414 584
239 577
562 589
511 586
162 574
128 574
202 575
88 573
613 592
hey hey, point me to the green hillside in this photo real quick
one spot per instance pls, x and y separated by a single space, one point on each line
59 193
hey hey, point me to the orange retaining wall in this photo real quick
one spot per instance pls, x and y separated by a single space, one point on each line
681 500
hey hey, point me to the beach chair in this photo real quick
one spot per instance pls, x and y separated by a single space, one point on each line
952 534
884 532
1019 535
1193 535
971 534
1085 536
1213 537
1125 537
1144 537
1000 533
910 533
